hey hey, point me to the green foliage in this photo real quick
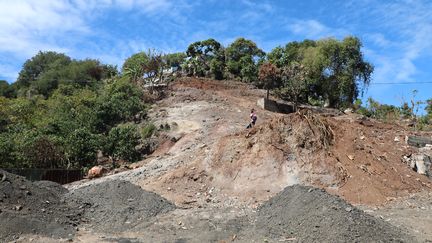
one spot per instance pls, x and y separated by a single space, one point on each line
336 70
132 67
147 131
206 59
374 109
428 108
43 73
119 101
7 90
174 59
121 142
39 64
242 59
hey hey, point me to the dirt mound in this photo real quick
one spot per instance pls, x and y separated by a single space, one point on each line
117 205
34 207
312 215
284 151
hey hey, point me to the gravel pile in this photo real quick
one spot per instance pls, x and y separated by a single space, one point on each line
117 205
34 207
312 215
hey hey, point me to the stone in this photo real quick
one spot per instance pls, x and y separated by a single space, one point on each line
421 163
96 171
348 111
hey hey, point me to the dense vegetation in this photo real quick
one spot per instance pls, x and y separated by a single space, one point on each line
60 112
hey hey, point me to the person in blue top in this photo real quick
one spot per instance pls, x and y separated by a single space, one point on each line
253 119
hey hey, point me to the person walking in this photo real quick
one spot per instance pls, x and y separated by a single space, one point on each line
253 118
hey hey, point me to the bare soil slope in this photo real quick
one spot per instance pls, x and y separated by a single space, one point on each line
355 158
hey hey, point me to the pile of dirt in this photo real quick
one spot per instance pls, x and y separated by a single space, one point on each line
117 205
312 215
34 208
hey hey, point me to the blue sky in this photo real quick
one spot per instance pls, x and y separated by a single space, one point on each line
396 35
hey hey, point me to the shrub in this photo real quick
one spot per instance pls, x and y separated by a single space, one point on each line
121 142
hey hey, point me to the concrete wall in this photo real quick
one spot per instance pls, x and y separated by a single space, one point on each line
275 106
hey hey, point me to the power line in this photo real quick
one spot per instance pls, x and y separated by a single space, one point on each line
427 82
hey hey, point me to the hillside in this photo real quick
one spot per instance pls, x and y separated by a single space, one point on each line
219 174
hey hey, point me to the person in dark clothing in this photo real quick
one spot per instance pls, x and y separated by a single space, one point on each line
253 119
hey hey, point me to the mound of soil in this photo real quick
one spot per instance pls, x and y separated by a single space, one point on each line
34 207
117 205
312 215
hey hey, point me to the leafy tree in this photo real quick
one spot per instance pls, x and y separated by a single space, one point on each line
174 59
133 66
206 59
6 89
345 72
336 70
268 74
119 101
242 58
121 142
81 146
39 64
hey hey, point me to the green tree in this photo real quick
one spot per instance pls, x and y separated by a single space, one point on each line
39 64
206 59
336 70
242 59
133 66
174 59
119 101
345 72
6 89
121 142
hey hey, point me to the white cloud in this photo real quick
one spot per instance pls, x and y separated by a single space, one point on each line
411 23
314 29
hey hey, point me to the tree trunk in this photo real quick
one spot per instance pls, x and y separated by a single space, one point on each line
268 93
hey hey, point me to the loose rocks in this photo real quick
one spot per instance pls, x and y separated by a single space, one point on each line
33 207
117 205
312 215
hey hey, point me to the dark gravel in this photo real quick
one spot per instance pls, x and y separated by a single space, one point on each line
34 207
116 205
312 215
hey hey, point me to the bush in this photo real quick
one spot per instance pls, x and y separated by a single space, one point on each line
147 131
121 142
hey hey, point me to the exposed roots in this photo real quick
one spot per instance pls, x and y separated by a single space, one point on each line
319 126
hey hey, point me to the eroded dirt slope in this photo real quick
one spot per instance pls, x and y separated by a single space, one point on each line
216 159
